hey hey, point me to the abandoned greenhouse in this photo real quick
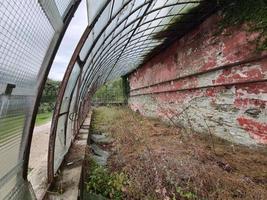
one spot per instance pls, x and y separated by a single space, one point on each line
133 99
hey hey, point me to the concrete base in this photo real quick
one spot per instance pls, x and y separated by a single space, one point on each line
66 185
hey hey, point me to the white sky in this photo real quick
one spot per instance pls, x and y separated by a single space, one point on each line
69 42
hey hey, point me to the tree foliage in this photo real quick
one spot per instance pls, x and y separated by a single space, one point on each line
110 92
49 96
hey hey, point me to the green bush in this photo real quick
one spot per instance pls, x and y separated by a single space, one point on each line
110 92
49 95
109 185
185 194
46 107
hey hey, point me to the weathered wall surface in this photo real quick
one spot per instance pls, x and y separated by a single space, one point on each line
208 81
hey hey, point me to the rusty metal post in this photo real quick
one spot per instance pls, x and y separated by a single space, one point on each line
26 153
52 138
74 59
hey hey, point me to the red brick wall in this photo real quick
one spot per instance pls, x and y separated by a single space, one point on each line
207 81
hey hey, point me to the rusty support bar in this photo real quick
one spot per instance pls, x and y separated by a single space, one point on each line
69 104
75 56
26 153
56 115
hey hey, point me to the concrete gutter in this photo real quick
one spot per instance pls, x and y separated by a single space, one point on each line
66 183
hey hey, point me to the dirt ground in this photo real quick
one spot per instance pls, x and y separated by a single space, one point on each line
163 162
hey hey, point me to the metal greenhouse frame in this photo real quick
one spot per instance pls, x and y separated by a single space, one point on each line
25 26
117 40
120 36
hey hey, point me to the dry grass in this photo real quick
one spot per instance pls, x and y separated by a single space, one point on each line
163 162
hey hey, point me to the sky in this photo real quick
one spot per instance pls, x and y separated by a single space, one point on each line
69 42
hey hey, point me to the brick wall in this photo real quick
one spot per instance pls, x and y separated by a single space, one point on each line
208 81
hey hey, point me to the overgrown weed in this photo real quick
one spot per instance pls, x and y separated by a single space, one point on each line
108 184
160 163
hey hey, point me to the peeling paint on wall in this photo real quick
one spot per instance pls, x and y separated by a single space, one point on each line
209 82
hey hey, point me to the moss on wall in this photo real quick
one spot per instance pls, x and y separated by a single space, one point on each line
234 12
182 24
253 12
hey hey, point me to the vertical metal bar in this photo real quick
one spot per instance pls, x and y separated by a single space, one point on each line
74 58
76 128
41 84
52 138
68 110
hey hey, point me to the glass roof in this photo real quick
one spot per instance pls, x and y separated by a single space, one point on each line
124 33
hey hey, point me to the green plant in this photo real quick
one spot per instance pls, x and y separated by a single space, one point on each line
49 95
43 118
112 91
186 194
109 185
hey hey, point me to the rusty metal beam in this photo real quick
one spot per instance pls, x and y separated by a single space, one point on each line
26 153
74 58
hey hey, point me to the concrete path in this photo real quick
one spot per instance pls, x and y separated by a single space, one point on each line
38 159
39 146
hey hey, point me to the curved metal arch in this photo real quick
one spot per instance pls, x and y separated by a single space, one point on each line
131 23
121 22
75 58
67 17
104 56
98 69
105 27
